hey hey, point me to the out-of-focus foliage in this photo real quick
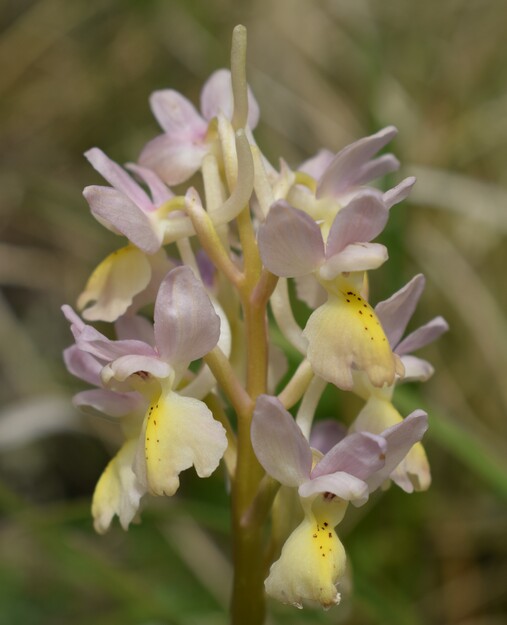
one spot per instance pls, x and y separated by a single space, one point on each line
78 74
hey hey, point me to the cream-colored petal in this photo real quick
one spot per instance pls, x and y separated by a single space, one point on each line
345 335
118 492
312 561
180 433
114 283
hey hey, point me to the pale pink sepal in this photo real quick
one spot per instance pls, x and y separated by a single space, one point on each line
216 98
290 242
395 312
424 335
111 208
118 178
95 343
159 191
186 324
416 369
348 165
177 116
359 454
135 327
174 160
376 168
400 439
108 402
317 165
82 365
399 192
361 220
279 444
326 433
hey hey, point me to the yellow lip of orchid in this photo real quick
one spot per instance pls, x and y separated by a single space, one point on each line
114 283
313 559
345 334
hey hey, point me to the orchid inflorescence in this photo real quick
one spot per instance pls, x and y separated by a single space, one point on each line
194 282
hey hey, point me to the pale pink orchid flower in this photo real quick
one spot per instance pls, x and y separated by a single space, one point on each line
177 154
312 561
178 431
343 333
125 208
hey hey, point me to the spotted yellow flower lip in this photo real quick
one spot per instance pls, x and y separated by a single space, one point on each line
344 334
311 564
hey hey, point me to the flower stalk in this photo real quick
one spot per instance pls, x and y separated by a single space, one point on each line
192 376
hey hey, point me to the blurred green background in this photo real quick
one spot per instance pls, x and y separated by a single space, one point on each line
76 74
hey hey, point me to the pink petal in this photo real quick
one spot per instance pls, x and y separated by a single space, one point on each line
359 454
360 221
186 325
279 444
341 484
82 365
326 433
123 367
355 257
394 313
399 192
113 208
318 164
400 438
159 191
118 178
424 335
416 369
173 161
100 346
290 242
135 327
108 402
342 172
76 323
376 168
177 116
216 97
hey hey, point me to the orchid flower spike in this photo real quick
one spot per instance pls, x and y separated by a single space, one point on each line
313 559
